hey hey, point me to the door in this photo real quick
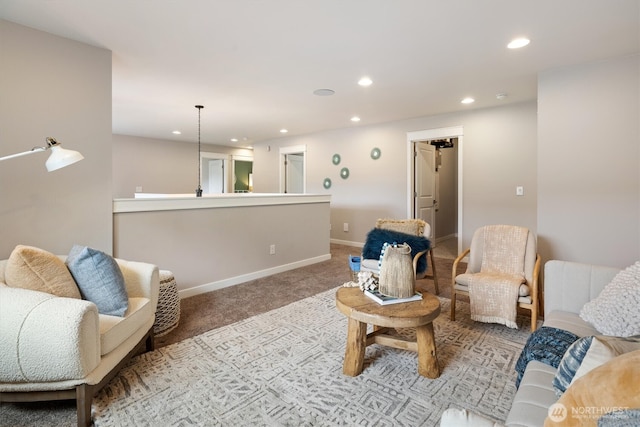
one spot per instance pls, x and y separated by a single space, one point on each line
215 181
294 173
425 184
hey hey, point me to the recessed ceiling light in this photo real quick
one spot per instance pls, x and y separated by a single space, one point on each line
518 43
234 139
468 100
283 131
355 119
365 81
324 92
176 132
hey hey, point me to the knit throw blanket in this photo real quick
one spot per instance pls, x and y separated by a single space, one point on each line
493 292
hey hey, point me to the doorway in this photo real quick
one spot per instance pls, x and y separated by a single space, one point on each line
434 183
242 173
213 173
293 169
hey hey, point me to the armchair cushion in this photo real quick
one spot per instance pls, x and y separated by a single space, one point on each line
99 279
39 270
378 237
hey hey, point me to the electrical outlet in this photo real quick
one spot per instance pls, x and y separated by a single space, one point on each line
272 250
519 190
139 189
345 226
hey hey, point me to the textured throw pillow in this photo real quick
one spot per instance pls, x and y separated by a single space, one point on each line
588 353
546 345
39 270
621 418
609 387
615 311
408 226
100 279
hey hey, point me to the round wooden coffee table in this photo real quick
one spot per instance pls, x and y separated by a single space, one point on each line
362 310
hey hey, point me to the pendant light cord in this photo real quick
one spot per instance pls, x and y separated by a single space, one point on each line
199 189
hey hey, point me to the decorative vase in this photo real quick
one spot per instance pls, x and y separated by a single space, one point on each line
397 278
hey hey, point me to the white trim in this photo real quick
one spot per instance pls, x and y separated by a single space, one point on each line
225 283
347 243
428 134
294 149
159 202
225 165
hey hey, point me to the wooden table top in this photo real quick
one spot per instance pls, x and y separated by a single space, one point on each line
354 304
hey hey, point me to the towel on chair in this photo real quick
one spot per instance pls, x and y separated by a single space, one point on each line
493 292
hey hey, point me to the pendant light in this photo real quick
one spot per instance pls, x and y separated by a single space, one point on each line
199 189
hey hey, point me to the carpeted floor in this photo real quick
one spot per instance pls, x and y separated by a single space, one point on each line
232 309
204 312
284 368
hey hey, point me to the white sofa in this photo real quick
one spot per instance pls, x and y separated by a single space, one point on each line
54 348
567 287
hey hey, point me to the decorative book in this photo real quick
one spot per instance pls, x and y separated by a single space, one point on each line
386 300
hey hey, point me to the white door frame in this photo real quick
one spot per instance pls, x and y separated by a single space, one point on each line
206 156
294 149
428 134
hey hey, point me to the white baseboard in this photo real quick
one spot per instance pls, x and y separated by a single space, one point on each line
347 243
225 283
443 238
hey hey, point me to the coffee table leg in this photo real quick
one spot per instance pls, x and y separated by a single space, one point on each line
427 359
356 345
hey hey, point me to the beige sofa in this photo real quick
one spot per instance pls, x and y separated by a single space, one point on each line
568 286
55 348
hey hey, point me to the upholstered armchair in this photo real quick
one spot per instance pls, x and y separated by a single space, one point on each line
61 348
503 263
415 227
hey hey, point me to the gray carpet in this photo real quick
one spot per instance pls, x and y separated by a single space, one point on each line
284 368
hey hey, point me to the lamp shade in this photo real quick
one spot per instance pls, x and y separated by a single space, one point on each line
60 158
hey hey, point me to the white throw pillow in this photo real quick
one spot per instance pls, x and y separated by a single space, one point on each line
615 310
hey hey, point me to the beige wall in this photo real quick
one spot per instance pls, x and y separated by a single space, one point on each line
159 166
576 153
51 86
588 162
217 247
499 153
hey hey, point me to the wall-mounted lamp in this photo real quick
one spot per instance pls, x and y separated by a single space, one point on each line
59 157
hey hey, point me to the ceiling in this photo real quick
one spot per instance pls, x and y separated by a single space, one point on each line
254 64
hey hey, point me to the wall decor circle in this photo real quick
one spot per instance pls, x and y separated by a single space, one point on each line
336 159
327 183
344 173
376 153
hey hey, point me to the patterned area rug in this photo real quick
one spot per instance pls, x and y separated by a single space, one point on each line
284 368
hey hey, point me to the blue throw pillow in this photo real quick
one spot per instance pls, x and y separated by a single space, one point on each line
570 364
99 279
378 237
546 345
